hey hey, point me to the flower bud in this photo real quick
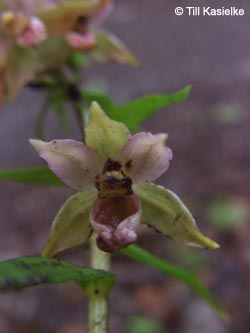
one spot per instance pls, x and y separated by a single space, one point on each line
34 33
13 24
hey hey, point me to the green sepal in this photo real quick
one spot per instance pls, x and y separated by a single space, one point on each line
111 49
71 225
19 69
103 134
165 212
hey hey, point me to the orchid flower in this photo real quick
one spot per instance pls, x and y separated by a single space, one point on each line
31 22
114 172
37 37
23 30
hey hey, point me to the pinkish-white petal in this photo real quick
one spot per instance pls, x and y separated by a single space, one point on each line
73 162
145 156
79 41
115 220
102 14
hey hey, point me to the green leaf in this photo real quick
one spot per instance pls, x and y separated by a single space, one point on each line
164 211
25 272
36 175
138 254
102 99
71 226
135 112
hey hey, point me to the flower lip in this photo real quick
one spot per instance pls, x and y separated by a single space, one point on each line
115 220
81 41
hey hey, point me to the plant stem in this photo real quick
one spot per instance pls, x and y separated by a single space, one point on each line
98 300
41 118
79 118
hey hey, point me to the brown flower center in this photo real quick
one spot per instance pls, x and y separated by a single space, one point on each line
81 24
113 181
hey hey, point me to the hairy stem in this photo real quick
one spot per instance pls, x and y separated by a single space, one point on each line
98 300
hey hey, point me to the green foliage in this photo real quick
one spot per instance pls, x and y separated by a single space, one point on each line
135 112
36 175
102 99
131 114
23 272
137 253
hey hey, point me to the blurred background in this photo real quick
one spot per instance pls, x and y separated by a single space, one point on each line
210 137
